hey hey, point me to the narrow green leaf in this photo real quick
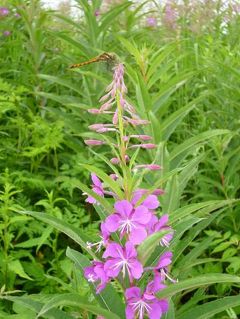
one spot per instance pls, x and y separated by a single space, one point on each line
146 248
60 81
36 306
182 150
74 233
169 125
16 267
108 18
196 282
75 300
208 310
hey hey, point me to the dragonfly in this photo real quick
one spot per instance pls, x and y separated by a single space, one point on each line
110 58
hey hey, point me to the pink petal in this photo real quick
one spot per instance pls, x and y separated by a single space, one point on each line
129 312
90 200
136 269
113 250
165 260
130 250
111 268
124 208
164 305
133 292
138 235
112 222
151 202
96 181
156 310
162 222
141 215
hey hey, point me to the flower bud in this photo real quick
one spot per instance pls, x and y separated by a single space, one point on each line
152 167
93 142
142 137
94 111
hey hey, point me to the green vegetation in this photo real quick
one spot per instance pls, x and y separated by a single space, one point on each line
183 75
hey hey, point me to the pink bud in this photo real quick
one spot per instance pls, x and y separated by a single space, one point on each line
152 167
101 128
95 127
158 192
97 13
113 176
114 160
94 111
106 106
93 142
142 137
115 118
105 129
136 121
145 146
148 146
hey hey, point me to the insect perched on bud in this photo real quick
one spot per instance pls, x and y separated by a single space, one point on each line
110 58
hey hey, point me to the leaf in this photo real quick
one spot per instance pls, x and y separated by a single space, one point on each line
169 125
209 309
35 306
16 267
196 282
171 312
60 81
146 248
74 233
200 209
182 150
108 298
111 15
75 300
221 247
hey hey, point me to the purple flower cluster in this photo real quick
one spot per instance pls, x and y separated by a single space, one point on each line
3 11
133 218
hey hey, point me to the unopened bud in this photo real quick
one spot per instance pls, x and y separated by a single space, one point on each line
93 142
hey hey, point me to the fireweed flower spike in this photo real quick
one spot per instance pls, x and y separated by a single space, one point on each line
134 216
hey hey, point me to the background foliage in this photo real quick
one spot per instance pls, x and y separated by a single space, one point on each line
182 64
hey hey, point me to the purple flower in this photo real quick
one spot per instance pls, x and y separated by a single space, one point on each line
151 201
97 188
155 285
96 272
151 22
122 259
3 11
139 305
156 225
97 13
129 220
104 239
161 271
6 33
170 17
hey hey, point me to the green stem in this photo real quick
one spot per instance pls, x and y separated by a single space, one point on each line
122 147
